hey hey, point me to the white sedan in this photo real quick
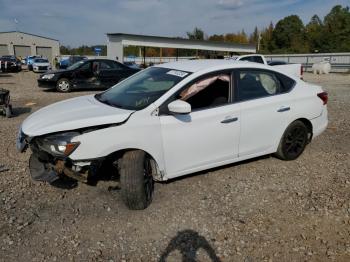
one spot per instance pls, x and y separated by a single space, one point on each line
171 120
41 65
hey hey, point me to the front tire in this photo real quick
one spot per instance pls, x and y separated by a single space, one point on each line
63 85
136 179
293 142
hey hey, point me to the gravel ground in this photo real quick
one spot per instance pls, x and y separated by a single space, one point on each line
259 210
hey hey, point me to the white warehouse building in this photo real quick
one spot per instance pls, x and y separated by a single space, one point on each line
24 44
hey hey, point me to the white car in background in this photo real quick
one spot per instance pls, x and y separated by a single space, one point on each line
171 120
289 69
41 65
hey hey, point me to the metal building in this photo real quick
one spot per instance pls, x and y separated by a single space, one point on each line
23 44
116 42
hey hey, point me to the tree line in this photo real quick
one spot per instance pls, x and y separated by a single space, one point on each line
289 35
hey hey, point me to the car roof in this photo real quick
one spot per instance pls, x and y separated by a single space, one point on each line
206 64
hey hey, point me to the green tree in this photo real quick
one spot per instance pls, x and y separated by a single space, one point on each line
314 33
289 35
217 38
336 37
197 34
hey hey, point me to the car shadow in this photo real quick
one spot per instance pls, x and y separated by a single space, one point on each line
65 183
215 169
188 243
5 75
17 111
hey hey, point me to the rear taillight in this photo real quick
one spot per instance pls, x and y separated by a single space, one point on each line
324 97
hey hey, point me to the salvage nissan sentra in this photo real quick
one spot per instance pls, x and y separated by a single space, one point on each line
171 120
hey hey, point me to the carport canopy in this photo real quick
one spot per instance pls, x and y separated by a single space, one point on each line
116 42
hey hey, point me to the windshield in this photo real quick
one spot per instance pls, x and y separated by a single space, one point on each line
142 89
41 61
76 65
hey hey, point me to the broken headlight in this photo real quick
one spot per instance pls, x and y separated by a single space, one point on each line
59 145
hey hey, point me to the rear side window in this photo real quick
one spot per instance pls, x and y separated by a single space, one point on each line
286 83
258 59
255 59
105 64
256 84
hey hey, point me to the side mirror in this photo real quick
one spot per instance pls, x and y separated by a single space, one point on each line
179 107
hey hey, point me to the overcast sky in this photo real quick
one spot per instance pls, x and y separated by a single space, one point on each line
77 22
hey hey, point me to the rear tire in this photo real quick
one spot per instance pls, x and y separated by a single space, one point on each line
136 180
293 142
63 85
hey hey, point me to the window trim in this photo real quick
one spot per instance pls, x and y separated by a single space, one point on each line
236 79
163 108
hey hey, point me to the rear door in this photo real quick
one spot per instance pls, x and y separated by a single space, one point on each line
266 109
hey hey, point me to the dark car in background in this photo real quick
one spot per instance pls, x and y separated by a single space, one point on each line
87 74
10 63
276 62
68 61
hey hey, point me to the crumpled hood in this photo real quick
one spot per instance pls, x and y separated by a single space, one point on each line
74 113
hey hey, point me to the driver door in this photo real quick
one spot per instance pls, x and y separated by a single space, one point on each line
83 76
205 138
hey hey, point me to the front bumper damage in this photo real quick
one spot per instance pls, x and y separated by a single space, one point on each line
45 167
49 169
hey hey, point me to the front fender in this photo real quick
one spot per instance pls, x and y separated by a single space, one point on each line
138 132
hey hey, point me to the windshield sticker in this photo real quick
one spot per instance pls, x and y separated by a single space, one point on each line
177 73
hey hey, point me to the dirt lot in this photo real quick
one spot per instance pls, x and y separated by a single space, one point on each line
260 210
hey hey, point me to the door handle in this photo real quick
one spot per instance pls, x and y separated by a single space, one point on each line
229 120
283 109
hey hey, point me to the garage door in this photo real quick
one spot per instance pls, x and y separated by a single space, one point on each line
21 50
44 52
4 50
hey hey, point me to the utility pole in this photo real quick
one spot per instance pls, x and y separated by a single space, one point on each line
259 39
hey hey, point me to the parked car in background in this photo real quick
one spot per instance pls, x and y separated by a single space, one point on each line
276 62
30 61
41 65
68 61
174 119
10 64
291 69
94 73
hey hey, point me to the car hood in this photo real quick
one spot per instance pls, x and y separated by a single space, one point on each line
73 114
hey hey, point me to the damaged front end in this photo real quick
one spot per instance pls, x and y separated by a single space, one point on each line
50 160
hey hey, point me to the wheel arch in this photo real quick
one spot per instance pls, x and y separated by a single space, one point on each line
158 174
308 125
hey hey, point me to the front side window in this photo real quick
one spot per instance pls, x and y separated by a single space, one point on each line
142 89
208 92
257 84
